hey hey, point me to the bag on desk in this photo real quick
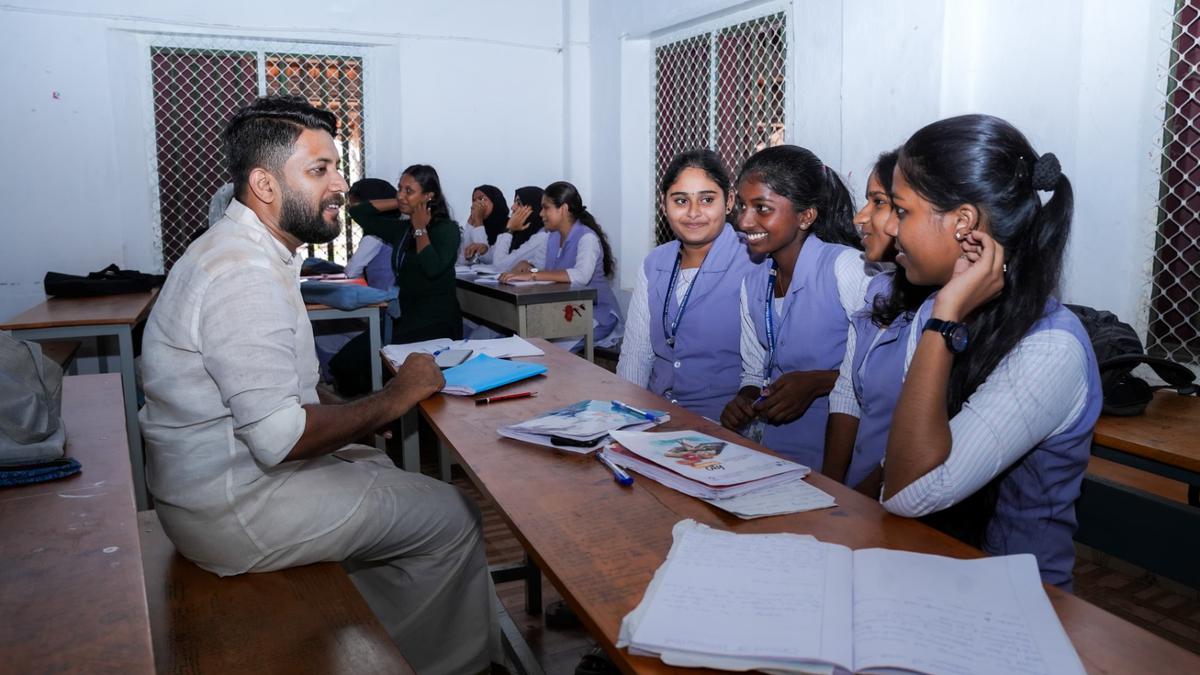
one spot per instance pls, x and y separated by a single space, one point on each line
31 427
1118 351
109 281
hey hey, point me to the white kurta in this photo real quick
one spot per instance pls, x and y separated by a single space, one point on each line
228 363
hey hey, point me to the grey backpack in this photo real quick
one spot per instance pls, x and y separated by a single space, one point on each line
31 426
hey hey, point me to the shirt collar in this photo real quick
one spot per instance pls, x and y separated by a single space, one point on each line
242 215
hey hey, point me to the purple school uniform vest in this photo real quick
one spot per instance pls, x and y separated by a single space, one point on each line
703 369
379 271
877 375
810 334
606 312
1035 510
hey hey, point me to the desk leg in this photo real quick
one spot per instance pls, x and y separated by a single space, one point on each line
523 322
376 357
410 443
445 462
132 427
589 345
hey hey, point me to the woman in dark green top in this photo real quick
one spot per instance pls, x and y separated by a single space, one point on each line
424 251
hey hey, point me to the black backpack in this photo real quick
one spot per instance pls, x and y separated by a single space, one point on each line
1118 351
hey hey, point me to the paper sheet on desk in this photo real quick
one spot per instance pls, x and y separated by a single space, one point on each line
500 348
792 497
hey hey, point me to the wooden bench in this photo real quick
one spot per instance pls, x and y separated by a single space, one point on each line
307 619
1141 495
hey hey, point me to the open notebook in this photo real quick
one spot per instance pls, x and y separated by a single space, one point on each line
787 603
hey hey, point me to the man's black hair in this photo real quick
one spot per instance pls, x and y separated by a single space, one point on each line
263 134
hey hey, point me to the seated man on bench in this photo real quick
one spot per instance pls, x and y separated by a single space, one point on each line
249 471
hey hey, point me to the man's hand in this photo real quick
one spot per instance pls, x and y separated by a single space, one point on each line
416 380
739 411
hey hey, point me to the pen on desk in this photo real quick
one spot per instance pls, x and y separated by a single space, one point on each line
505 397
617 405
623 479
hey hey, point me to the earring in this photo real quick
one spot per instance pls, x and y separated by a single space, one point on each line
958 235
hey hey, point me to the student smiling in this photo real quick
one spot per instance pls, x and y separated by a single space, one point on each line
682 338
996 411
795 309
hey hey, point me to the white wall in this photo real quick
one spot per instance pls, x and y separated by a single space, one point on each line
475 88
1082 79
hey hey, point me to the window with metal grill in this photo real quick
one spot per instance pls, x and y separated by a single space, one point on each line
1174 322
197 85
723 89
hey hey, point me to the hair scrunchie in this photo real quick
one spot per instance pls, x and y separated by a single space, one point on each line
1046 172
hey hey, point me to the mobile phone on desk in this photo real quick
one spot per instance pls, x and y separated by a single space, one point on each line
451 357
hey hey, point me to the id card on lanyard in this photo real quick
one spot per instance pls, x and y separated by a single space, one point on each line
769 320
669 333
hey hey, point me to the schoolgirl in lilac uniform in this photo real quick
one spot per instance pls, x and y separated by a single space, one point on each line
992 428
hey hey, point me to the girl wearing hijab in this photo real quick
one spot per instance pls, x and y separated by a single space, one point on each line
489 215
523 238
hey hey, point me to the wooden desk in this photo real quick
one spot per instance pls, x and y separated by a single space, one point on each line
318 312
105 315
1165 440
71 590
1120 517
600 543
531 311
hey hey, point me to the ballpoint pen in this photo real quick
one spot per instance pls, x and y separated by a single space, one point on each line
617 405
623 479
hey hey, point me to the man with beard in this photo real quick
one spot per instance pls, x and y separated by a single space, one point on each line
249 471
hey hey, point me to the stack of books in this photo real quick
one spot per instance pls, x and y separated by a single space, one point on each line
787 603
700 465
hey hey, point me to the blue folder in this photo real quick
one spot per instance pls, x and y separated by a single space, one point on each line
485 372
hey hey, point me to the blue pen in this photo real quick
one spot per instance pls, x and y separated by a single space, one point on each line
623 479
617 405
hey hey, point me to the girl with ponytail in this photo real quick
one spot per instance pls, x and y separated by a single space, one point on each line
576 252
995 414
796 307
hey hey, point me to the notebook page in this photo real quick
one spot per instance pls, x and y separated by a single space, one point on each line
934 614
776 597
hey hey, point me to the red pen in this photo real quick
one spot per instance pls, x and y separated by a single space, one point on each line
505 397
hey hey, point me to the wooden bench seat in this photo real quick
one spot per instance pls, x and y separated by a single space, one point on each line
1138 479
307 619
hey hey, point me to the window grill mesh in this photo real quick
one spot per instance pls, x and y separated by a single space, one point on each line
1174 322
724 90
196 89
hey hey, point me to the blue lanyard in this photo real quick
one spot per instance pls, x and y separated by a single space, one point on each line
673 330
769 319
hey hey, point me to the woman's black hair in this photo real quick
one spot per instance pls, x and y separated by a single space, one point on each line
905 296
531 196
701 158
562 192
799 175
427 177
986 162
497 221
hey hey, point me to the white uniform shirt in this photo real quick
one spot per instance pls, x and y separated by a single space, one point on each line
532 251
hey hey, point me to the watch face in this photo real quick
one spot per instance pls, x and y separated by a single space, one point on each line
958 338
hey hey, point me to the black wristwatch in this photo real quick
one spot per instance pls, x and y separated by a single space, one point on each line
953 332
